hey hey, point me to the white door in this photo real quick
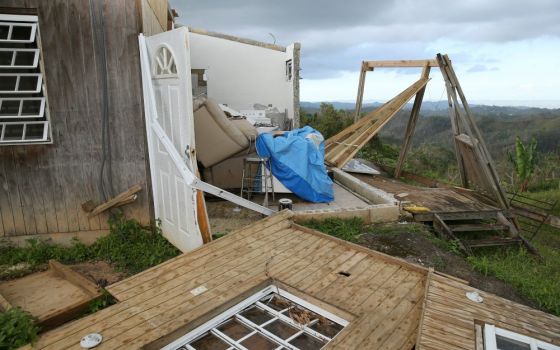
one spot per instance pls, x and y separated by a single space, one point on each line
174 199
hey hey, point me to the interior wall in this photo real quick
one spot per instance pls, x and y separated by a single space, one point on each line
42 187
241 74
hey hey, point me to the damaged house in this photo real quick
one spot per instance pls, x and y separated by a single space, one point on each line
106 104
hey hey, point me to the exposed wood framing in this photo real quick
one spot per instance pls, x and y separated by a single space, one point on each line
402 63
361 85
342 147
468 126
411 126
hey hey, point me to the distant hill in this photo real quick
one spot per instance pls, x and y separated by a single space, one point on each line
499 125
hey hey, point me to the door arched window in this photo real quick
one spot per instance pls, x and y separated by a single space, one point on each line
164 63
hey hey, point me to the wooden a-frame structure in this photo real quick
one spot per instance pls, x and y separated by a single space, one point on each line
475 164
476 167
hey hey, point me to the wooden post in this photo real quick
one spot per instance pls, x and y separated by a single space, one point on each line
414 114
361 90
473 132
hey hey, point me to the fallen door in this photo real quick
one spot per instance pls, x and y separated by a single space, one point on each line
174 199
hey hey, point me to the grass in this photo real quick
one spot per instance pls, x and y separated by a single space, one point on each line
347 229
17 328
537 279
129 246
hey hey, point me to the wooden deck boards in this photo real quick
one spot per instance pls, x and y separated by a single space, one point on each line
449 317
158 301
436 199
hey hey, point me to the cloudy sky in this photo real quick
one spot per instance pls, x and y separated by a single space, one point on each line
504 51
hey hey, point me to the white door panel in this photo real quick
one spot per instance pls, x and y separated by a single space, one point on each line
174 200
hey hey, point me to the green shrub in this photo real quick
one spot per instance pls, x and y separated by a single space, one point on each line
17 328
130 246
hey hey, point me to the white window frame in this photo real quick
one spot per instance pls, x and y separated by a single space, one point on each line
20 119
15 52
491 331
18 76
22 100
11 26
24 137
211 326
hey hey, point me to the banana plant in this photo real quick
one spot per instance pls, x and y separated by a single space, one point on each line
524 162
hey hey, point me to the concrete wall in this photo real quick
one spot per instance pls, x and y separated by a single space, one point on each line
240 74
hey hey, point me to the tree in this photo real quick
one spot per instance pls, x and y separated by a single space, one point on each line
524 162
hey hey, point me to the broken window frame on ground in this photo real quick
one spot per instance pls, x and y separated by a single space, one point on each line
258 300
491 334
32 107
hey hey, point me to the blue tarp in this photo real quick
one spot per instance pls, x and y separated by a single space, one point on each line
297 160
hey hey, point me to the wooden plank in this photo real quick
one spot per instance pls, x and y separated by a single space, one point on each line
123 196
411 126
341 149
359 98
403 63
70 275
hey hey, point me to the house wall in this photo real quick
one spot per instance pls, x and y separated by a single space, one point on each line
42 187
241 74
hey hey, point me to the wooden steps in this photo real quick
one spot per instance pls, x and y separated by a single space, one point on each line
477 229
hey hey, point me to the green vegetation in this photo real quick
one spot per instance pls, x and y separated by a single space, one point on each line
346 229
130 246
17 328
537 279
524 162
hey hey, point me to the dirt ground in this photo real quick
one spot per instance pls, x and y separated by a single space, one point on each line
100 272
418 248
226 217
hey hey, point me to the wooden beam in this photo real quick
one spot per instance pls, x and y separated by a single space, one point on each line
414 114
202 216
402 63
123 196
359 98
342 147
75 278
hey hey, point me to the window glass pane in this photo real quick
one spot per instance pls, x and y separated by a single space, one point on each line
4 32
21 33
34 131
259 342
504 343
234 329
6 58
25 58
9 107
326 327
281 329
13 132
209 342
28 83
31 107
8 83
307 342
256 315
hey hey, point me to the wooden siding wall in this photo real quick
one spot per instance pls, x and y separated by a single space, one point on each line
42 186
